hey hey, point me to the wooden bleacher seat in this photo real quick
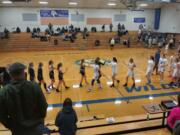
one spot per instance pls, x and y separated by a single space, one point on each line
23 41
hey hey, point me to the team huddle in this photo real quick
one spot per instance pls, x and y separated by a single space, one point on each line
158 63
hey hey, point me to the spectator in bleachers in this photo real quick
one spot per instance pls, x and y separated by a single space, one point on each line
22 104
174 115
103 28
38 30
6 33
18 30
66 119
150 42
119 26
110 27
28 30
50 26
112 43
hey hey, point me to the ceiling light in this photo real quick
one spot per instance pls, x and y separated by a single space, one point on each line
111 4
143 5
73 3
7 2
43 2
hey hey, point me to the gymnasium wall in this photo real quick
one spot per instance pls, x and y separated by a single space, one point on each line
12 17
170 19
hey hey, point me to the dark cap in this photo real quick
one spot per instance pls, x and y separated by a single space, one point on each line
16 68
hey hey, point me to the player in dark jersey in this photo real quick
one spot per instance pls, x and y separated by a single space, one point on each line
51 75
60 76
31 72
83 73
40 77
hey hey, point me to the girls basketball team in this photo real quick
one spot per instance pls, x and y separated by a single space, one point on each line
174 72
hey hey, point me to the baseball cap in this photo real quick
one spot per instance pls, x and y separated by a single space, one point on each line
16 68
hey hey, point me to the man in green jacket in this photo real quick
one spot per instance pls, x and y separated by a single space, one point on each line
22 104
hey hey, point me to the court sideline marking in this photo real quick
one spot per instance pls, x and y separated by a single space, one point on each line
120 98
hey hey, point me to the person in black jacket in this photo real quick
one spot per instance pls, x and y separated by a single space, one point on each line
22 104
66 119
31 72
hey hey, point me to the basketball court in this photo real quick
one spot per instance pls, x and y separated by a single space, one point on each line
159 17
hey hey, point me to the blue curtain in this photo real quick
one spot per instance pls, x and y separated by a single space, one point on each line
157 18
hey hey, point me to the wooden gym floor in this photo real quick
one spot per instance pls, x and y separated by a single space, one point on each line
97 102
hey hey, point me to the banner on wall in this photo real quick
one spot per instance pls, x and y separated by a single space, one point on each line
140 20
55 17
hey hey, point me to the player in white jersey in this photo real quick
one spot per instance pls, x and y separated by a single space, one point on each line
176 72
162 67
114 71
97 74
150 67
131 65
172 60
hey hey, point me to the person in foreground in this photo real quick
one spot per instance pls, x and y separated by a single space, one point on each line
174 115
66 119
22 104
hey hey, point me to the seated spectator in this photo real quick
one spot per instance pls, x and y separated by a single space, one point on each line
176 130
174 115
97 43
38 30
93 29
28 30
6 32
66 119
18 30
34 30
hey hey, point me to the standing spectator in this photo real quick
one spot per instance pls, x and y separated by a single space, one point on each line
112 43
23 105
174 115
157 57
111 27
119 26
66 119
103 28
50 26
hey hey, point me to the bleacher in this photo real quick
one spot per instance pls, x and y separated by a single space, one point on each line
122 125
24 42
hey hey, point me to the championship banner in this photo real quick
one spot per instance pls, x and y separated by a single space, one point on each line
139 20
55 17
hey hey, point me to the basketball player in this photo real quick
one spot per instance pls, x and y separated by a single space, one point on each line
171 64
31 72
97 74
60 76
83 73
150 67
114 71
131 65
41 78
162 67
175 72
51 75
